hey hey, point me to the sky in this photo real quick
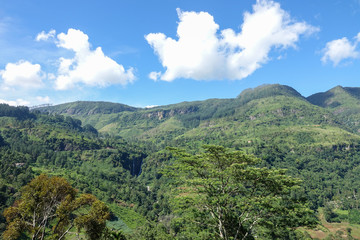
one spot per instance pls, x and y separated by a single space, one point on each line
149 53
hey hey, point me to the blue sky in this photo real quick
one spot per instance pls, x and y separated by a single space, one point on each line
146 53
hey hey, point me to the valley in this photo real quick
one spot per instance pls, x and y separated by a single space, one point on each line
118 153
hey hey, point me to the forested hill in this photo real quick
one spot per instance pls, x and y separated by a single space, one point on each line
267 90
118 152
270 105
343 102
34 143
88 108
337 97
274 122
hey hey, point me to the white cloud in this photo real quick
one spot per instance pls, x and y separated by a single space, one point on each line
46 36
154 75
151 106
51 76
201 53
74 40
17 102
89 67
341 49
22 74
41 99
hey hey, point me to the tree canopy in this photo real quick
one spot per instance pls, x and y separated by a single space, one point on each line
232 198
48 209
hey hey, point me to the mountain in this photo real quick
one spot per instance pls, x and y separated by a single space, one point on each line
336 97
117 152
343 102
32 143
87 108
267 90
274 122
239 120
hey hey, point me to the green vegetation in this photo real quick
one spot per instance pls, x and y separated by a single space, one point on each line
342 102
117 153
228 197
48 207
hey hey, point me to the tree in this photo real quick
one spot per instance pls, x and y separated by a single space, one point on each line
228 193
48 207
94 222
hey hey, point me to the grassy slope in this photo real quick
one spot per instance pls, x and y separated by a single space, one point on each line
343 102
270 114
267 113
325 229
88 107
39 132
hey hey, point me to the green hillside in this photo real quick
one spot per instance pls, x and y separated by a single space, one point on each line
336 97
238 120
271 121
88 108
34 143
118 153
343 102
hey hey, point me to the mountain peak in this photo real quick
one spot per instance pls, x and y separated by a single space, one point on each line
335 97
88 108
338 88
268 90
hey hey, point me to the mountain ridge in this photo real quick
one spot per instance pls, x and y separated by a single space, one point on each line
273 122
271 105
344 102
87 107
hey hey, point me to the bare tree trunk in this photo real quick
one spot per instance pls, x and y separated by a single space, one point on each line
66 232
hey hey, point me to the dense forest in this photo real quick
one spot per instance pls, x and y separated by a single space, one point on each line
156 169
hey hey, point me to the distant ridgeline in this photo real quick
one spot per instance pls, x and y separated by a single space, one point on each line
117 152
283 103
40 106
312 137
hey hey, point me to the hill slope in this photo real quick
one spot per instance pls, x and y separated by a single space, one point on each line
341 101
274 122
34 143
240 119
87 108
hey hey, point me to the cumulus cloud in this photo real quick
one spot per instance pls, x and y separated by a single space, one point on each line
22 74
41 99
151 106
341 49
154 75
17 102
202 53
45 36
89 67
74 40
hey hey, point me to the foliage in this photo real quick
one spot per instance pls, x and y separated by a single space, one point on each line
238 198
115 153
20 112
265 91
48 208
341 101
354 216
81 107
330 215
109 234
104 166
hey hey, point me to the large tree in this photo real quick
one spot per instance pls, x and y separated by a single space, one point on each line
230 196
48 207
